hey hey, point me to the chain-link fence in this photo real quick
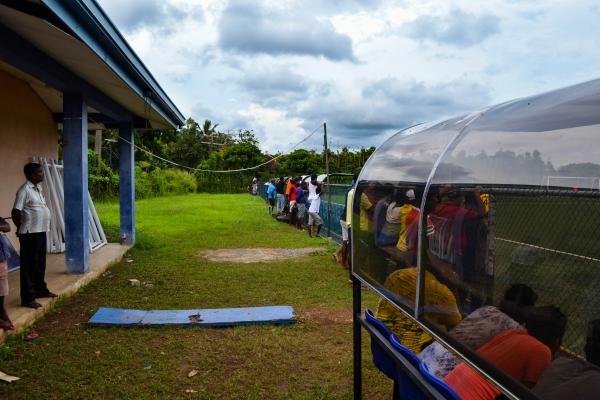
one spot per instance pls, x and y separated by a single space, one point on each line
335 208
545 238
550 240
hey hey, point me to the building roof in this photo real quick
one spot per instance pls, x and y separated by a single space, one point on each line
80 37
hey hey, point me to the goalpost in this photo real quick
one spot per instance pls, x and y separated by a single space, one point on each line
574 182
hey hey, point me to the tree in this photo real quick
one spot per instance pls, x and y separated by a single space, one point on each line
208 129
300 162
247 136
188 148
242 155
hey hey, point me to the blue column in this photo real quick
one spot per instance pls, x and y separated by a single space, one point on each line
75 147
127 183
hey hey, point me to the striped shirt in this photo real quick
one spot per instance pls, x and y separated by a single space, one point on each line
35 215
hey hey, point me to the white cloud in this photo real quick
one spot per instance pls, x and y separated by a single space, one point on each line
276 130
285 84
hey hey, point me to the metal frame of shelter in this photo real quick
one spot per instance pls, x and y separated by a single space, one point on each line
561 110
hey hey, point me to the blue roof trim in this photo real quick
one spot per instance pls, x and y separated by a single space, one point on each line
91 24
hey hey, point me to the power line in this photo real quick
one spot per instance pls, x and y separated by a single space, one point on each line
219 171
214 144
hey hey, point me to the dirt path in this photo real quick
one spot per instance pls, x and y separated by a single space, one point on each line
253 255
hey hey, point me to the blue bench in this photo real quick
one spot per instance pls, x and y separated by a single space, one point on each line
412 379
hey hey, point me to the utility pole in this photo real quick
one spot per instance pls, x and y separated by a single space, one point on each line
328 183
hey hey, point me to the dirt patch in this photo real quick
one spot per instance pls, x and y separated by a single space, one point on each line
253 255
327 315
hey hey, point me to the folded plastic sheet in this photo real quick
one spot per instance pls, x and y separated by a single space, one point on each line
216 317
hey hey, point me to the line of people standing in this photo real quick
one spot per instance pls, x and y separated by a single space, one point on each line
297 202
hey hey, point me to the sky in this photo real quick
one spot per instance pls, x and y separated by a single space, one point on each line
366 67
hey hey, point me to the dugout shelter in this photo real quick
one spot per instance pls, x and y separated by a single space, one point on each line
506 195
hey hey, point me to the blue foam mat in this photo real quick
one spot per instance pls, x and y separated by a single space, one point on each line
215 317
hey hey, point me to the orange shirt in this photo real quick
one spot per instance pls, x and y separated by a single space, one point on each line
288 187
515 352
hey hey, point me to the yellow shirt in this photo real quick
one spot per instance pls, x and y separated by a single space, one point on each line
408 215
440 307
349 207
365 205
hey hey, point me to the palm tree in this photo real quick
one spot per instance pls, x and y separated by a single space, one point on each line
207 131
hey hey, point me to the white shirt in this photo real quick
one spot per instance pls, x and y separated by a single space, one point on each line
315 204
312 191
393 213
35 215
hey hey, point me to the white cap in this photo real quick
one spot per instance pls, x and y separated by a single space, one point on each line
410 194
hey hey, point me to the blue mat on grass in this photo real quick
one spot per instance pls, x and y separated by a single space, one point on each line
215 317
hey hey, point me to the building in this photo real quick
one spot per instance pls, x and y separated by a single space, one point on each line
65 66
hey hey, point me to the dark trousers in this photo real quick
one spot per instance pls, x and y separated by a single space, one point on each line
33 266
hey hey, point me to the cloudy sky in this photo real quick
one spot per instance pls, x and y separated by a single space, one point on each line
366 67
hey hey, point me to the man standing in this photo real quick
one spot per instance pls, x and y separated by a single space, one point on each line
312 186
32 219
292 198
300 203
271 192
280 186
314 219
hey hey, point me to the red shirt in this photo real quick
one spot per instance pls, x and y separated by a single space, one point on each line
455 216
293 193
515 352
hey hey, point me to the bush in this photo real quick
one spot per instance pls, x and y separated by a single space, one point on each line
143 186
103 183
176 181
236 182
161 182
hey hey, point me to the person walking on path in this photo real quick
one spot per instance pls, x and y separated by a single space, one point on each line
271 195
32 219
314 219
5 322
280 187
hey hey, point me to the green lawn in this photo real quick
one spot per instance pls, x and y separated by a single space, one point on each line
308 360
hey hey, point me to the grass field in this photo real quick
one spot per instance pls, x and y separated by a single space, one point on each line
308 360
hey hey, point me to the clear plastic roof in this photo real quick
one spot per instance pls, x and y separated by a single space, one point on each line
548 140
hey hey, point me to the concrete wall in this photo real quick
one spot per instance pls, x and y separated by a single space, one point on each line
27 129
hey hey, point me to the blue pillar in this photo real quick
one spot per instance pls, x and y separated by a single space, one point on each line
75 147
127 183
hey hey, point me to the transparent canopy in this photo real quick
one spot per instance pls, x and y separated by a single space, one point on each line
498 211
